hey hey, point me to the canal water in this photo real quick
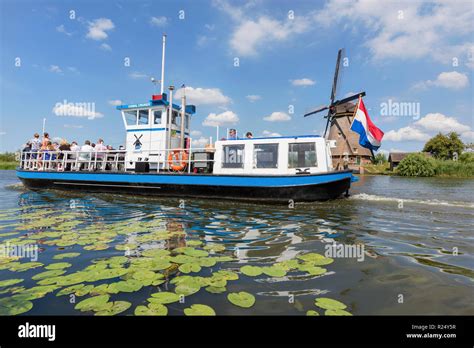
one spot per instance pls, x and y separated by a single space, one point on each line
411 239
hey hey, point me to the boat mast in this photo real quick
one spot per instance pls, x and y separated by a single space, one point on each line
163 65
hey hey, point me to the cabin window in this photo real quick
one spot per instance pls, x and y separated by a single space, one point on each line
131 117
302 155
143 117
157 116
265 155
174 118
233 156
186 122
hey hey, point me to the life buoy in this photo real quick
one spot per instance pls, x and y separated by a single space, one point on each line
175 156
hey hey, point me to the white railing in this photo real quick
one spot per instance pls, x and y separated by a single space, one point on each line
110 160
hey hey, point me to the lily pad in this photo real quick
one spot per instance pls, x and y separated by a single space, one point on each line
12 306
251 271
65 256
48 274
273 271
196 252
312 313
9 282
337 312
187 288
151 309
117 307
241 299
329 303
189 267
58 265
199 310
165 297
216 290
95 303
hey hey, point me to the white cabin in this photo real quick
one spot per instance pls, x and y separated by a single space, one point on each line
291 155
150 132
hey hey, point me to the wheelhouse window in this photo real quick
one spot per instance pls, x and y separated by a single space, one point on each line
143 117
157 116
233 156
131 117
302 155
174 118
265 155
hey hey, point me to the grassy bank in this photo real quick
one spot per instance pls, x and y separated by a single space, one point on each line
7 161
377 169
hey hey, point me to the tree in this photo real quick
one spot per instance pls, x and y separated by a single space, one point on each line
444 146
380 158
416 164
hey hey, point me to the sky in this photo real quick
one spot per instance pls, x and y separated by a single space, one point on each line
251 65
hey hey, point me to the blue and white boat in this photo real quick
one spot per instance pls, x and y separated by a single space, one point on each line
159 160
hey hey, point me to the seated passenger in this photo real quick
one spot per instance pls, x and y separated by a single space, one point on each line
232 134
249 135
86 149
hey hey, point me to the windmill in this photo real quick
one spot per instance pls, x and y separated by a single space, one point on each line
336 109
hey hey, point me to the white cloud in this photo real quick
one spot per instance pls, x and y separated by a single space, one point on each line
137 75
77 110
278 116
440 123
406 134
203 96
427 126
251 35
440 30
302 82
98 29
253 98
200 143
267 133
55 69
76 126
62 29
159 21
225 118
204 40
451 80
196 133
106 47
115 102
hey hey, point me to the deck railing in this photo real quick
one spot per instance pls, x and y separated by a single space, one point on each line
110 160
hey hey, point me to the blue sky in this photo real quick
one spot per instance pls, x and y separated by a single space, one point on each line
407 54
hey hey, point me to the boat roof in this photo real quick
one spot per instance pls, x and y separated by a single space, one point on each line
157 100
282 137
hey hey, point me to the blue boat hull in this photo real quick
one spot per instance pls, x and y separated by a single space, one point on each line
298 188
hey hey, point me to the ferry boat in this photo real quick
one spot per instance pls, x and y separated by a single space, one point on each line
159 160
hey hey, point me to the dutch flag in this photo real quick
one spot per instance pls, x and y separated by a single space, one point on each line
370 135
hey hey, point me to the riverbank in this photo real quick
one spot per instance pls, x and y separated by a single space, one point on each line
453 169
8 161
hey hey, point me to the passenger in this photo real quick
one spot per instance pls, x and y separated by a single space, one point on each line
46 140
86 150
232 134
35 145
249 135
75 147
110 148
27 147
64 147
47 155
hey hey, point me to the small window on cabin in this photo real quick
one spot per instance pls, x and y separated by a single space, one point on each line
157 116
265 155
143 117
174 118
302 155
178 119
186 122
131 117
233 156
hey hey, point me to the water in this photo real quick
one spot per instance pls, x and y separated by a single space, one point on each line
416 233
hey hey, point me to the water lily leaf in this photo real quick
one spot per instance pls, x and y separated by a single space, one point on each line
84 290
313 270
155 253
287 265
58 265
130 285
310 257
251 271
216 290
152 309
159 265
164 297
217 282
144 275
214 247
312 313
117 307
207 261
273 271
183 259
38 291
9 282
329 303
189 267
193 242
48 274
21 267
196 253
187 288
65 256
11 306
241 299
124 247
199 310
70 290
99 290
226 274
109 273
224 258
336 312
95 303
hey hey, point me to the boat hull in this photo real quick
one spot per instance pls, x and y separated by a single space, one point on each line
299 188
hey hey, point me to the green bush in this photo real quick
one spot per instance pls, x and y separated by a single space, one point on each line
467 157
461 169
7 157
416 164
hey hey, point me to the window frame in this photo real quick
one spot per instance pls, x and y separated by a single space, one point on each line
276 153
311 165
236 165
